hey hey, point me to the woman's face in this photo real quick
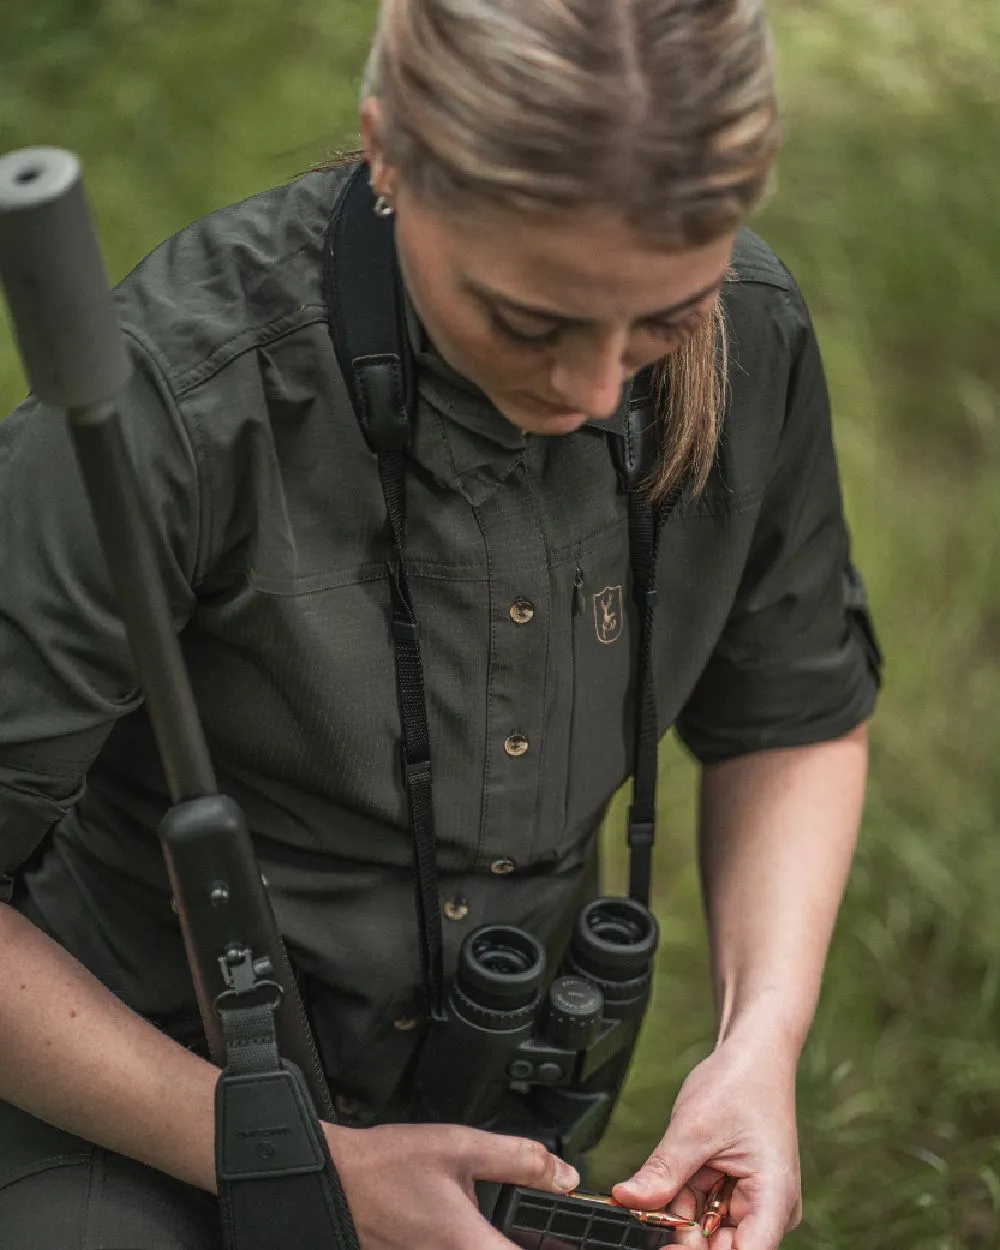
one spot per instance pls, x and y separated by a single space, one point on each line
549 313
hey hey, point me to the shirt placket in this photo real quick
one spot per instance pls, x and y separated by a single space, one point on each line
520 624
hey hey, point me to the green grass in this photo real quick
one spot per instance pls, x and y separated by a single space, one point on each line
886 208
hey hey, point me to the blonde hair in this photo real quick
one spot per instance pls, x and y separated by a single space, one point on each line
661 110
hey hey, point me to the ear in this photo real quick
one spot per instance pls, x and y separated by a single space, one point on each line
381 176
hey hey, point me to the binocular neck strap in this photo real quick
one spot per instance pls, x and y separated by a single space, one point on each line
645 521
364 294
416 738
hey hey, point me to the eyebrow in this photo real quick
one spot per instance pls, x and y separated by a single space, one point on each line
547 314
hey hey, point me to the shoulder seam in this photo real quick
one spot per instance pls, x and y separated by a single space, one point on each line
755 275
756 262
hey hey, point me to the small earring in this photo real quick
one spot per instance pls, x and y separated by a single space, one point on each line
383 206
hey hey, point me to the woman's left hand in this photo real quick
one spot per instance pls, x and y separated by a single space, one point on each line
734 1115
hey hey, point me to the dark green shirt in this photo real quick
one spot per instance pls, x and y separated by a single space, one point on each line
273 545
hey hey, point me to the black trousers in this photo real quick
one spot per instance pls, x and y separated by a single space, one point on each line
58 1192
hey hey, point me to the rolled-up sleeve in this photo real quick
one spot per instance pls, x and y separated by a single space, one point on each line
798 661
66 673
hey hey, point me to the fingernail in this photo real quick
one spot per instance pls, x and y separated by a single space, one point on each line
566 1177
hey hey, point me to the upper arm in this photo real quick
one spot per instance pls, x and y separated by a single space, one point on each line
66 672
797 661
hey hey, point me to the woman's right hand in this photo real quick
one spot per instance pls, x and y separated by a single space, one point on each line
410 1186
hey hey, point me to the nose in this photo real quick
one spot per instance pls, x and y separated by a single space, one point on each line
590 377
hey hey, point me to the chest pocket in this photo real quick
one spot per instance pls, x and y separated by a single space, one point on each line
606 630
298 690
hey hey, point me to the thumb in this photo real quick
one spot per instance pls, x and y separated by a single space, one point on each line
668 1169
519 1161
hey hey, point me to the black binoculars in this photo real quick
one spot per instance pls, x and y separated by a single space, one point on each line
513 1054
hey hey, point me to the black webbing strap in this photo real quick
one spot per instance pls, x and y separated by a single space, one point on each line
250 1037
645 520
277 1185
361 274
643 532
643 535
416 738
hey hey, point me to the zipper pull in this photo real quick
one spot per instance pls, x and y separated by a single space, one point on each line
579 602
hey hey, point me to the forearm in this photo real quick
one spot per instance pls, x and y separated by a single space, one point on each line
73 1055
778 831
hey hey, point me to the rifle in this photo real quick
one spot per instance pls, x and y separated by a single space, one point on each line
277 1184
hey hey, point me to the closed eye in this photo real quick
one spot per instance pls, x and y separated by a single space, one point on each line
544 339
673 331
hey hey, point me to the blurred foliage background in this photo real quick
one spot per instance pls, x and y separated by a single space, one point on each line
886 207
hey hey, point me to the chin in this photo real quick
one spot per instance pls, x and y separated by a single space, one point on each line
553 423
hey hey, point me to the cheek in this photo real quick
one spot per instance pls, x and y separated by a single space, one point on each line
461 336
465 339
647 349
637 358
457 327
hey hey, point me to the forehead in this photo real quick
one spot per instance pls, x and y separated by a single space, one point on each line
578 259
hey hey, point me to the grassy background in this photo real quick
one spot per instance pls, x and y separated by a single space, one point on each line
886 207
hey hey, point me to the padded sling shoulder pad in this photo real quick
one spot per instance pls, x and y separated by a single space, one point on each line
365 302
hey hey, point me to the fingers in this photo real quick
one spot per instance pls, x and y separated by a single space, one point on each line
765 1223
412 1185
685 1202
516 1161
759 1231
659 1178
691 1237
703 1180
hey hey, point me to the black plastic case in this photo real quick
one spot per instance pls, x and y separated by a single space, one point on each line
539 1221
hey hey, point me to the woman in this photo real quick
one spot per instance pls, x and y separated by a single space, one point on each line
568 181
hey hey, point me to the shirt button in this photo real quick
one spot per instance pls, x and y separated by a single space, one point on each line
404 1024
521 611
456 908
501 867
346 1106
516 744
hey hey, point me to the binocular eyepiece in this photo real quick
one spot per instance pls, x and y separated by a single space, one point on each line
501 967
542 1057
614 940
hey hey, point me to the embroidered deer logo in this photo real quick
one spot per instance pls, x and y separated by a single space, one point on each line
608 614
